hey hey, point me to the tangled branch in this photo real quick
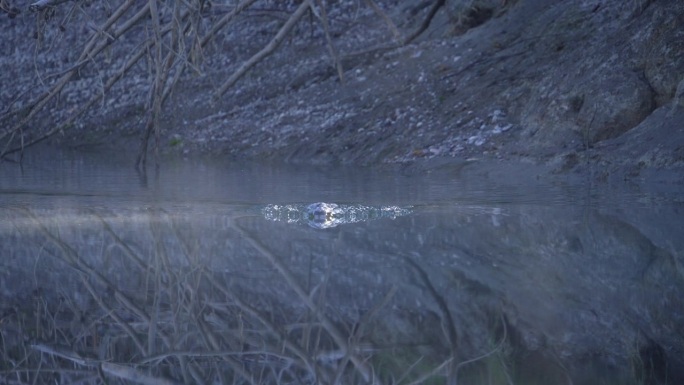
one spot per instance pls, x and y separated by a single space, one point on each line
170 38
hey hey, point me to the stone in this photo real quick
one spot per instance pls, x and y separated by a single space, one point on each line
614 104
678 99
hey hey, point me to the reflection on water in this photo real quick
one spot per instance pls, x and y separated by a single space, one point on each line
200 277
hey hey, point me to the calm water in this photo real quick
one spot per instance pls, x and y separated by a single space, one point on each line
217 272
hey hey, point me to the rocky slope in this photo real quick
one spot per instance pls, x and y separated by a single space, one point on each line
587 86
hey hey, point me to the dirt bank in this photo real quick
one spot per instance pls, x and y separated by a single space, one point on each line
585 86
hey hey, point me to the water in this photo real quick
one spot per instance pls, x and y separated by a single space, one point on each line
220 272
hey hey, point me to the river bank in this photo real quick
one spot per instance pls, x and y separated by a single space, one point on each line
585 88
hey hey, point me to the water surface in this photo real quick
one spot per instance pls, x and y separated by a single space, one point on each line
213 271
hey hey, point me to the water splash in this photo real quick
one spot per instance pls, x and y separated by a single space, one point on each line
321 215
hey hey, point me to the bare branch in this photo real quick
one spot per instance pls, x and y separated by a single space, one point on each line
43 4
170 58
388 21
132 374
63 353
227 18
11 11
117 370
267 50
89 51
426 23
323 17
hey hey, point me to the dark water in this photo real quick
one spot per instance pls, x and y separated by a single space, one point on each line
218 272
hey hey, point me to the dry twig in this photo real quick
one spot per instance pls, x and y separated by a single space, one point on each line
267 50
